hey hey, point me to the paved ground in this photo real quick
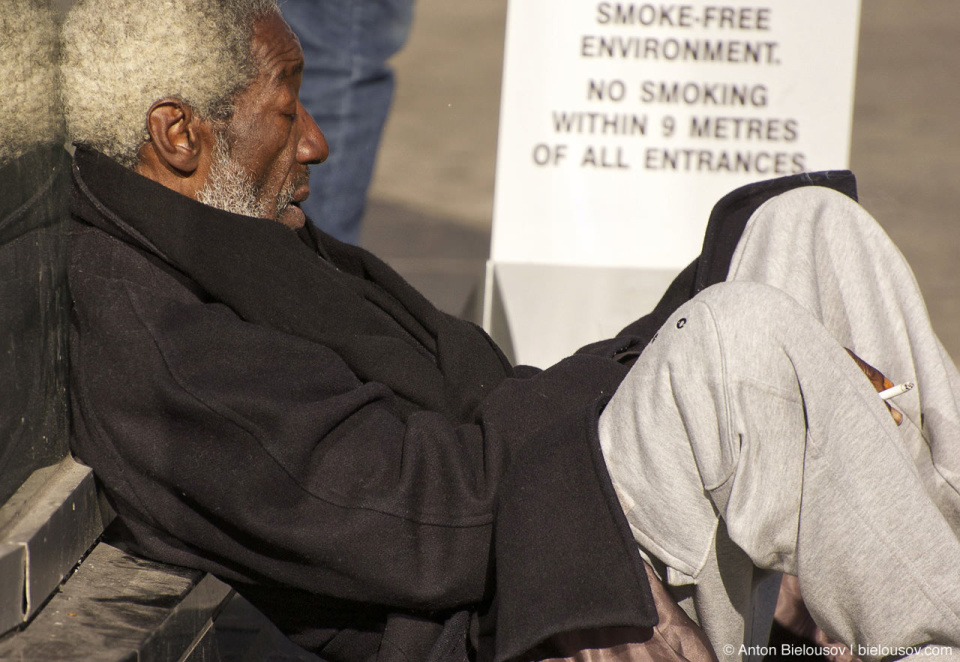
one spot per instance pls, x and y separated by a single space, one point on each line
432 198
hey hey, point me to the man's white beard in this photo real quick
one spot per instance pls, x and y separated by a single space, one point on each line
230 188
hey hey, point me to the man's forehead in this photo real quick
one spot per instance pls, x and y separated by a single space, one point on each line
276 48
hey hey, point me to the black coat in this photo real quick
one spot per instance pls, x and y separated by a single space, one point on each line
286 412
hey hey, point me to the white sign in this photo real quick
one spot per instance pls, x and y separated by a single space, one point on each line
622 123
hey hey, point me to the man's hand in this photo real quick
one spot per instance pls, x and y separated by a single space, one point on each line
675 638
880 383
792 614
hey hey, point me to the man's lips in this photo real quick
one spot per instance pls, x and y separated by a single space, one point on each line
301 194
301 185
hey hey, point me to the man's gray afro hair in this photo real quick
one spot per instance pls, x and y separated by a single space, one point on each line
121 56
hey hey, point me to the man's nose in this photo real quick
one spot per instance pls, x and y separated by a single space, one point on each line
313 146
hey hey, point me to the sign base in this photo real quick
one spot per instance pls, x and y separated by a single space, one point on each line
541 313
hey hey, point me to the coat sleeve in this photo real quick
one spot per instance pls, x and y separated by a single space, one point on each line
260 457
270 462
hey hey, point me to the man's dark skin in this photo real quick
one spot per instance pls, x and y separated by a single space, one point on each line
271 134
274 139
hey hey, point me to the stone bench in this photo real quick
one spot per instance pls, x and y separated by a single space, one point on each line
66 595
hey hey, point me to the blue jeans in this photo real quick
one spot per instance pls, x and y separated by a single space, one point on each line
347 87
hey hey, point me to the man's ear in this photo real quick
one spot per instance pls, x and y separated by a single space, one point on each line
175 135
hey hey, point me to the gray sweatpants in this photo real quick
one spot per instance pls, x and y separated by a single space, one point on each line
746 442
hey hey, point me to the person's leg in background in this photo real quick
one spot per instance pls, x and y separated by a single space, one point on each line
745 436
347 87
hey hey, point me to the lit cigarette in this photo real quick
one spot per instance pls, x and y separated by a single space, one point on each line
894 391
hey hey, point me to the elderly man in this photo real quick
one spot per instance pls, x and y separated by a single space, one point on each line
268 404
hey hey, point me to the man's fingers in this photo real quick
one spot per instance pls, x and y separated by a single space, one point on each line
897 416
877 378
879 381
